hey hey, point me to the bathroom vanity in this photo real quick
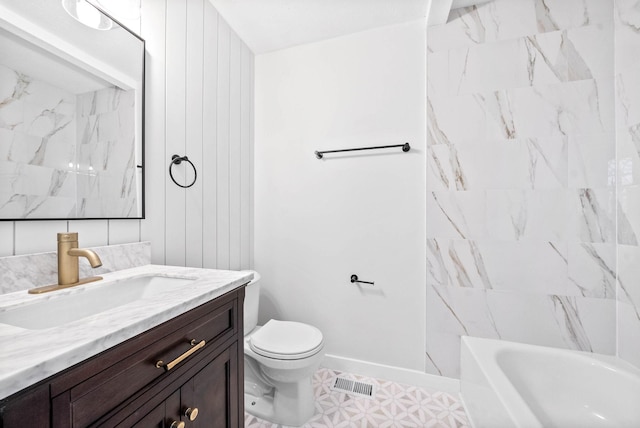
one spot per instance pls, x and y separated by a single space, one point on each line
172 357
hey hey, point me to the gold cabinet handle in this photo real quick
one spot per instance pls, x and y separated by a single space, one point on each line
177 424
161 364
191 413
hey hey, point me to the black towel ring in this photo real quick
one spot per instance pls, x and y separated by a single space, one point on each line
177 160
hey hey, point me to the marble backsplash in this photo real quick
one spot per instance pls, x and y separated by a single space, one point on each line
532 193
19 273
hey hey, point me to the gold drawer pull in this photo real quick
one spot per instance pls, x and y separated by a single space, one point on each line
177 424
161 365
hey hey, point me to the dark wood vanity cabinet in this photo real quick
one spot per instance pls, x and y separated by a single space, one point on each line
123 387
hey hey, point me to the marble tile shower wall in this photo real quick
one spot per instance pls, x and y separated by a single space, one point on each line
106 166
521 202
627 66
44 171
37 142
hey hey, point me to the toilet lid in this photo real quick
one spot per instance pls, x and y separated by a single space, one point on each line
286 340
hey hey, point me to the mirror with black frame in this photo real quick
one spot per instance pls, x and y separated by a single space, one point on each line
71 114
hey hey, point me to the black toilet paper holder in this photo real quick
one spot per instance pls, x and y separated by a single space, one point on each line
354 279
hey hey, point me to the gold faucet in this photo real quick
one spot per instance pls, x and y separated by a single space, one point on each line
68 271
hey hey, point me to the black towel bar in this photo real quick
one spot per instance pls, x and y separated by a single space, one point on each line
405 148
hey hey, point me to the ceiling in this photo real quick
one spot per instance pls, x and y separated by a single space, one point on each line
269 25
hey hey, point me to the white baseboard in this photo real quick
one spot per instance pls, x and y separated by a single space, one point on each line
395 374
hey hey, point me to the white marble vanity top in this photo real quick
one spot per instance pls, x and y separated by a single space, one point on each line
29 356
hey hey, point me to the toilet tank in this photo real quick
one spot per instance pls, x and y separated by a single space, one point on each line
251 303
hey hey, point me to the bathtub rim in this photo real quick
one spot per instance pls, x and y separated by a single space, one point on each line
487 350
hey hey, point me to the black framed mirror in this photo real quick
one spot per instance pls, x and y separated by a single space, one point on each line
71 115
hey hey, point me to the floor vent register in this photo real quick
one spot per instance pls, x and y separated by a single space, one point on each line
354 387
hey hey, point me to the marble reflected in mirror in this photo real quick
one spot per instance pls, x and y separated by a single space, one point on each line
71 116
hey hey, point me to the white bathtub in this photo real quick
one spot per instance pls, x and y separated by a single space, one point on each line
507 384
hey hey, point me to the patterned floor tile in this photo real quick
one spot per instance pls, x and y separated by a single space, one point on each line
393 406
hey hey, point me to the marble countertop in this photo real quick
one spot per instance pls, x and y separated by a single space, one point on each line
28 356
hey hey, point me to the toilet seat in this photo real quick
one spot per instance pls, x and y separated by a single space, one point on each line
286 340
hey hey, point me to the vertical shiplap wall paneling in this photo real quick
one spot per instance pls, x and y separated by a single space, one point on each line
194 121
235 114
176 30
38 236
200 104
123 231
209 137
245 155
222 158
153 31
6 238
252 164
91 233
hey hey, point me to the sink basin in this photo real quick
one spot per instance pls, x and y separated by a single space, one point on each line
58 308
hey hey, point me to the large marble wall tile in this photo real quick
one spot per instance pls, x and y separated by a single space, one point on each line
37 148
589 52
628 215
593 215
532 163
496 20
457 263
558 321
481 69
456 215
627 22
628 274
106 155
581 107
444 116
628 96
629 333
527 215
592 160
592 270
549 320
544 59
525 267
627 63
438 74
562 14
18 206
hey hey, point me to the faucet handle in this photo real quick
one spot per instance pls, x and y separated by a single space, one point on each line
68 237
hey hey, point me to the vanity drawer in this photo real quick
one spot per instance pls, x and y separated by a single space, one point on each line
107 380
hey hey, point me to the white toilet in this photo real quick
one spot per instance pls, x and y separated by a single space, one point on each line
280 358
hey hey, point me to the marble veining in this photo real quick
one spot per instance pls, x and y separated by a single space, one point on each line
65 155
20 273
533 177
61 347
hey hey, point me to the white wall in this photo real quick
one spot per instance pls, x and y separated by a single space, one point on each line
319 221
199 103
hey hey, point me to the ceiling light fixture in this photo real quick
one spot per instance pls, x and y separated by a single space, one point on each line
85 13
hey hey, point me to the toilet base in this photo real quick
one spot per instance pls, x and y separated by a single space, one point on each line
290 404
260 407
